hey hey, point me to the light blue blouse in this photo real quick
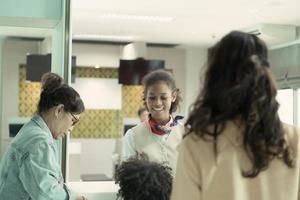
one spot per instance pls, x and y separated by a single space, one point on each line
30 169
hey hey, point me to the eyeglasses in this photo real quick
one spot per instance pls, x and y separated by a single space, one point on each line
75 119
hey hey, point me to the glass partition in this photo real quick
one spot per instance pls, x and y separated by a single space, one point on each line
24 28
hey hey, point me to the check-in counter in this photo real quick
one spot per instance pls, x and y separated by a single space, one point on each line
98 190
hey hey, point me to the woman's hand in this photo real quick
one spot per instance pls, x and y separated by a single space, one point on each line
81 198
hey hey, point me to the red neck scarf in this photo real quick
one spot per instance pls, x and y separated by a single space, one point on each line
163 129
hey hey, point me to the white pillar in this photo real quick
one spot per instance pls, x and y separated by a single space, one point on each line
45 46
134 50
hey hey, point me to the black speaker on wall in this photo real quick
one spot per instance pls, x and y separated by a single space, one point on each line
131 72
39 64
14 129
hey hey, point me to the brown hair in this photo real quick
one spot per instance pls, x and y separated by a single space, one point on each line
55 92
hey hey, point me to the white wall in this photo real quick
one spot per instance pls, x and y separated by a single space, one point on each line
109 55
93 54
110 96
195 61
13 54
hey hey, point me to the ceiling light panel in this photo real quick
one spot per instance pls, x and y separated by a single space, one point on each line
102 37
136 17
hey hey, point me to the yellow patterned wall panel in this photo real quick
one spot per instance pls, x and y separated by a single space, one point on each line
92 72
93 123
98 124
29 94
132 100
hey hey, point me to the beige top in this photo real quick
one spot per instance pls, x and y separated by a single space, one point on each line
202 176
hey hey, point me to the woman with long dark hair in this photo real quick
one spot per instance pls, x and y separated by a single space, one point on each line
237 147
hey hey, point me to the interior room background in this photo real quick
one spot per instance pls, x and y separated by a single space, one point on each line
93 141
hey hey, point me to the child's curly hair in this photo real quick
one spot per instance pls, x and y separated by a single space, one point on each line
140 179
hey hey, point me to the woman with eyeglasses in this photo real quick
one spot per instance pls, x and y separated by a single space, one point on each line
30 168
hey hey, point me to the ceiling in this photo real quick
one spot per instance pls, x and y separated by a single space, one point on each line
183 22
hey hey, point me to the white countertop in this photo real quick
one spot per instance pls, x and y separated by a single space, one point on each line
98 190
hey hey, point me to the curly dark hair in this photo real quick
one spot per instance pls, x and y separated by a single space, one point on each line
238 85
166 77
140 179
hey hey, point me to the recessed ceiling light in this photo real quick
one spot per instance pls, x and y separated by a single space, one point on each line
102 37
137 17
253 11
275 3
